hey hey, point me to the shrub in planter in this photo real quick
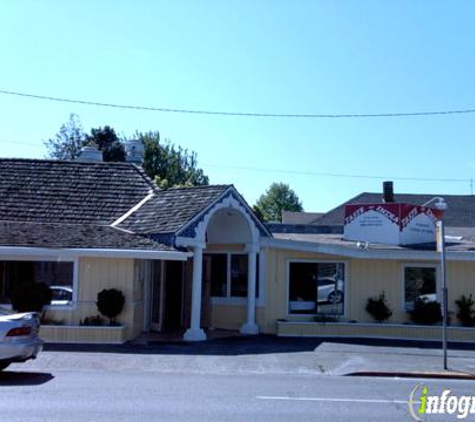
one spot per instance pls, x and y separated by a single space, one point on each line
325 318
426 313
30 297
92 321
378 308
110 303
466 313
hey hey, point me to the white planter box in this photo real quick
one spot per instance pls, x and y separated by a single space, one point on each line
82 334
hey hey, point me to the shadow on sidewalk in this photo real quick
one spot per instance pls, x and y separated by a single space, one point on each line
242 345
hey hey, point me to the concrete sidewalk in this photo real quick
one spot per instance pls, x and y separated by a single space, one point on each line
269 355
357 359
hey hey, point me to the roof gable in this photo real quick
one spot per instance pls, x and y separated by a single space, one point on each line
192 227
169 210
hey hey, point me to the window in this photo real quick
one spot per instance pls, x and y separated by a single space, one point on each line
219 275
316 288
228 274
57 275
419 283
239 275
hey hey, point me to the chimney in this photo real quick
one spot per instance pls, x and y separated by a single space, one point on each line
134 151
388 192
90 154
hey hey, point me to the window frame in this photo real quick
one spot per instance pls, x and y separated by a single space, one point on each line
419 265
73 260
346 271
234 300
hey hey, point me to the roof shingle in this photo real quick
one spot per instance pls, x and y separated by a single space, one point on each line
169 210
84 236
69 191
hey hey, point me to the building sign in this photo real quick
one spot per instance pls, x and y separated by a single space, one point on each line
392 224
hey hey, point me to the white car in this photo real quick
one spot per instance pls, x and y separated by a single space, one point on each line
62 295
19 339
330 290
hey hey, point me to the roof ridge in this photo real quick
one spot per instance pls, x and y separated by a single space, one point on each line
51 223
79 163
197 187
418 194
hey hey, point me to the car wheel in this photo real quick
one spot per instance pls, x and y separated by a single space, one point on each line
335 297
3 365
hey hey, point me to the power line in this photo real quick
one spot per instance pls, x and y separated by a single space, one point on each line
238 114
341 175
310 173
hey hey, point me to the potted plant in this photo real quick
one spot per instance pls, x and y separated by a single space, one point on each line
426 312
110 303
466 313
378 308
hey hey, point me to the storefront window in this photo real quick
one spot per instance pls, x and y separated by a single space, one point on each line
316 288
57 275
419 283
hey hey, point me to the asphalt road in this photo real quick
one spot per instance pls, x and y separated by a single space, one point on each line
84 392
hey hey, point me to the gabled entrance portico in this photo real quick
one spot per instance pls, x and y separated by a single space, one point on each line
228 222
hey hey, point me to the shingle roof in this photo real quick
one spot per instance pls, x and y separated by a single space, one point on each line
460 208
296 217
69 192
169 210
47 235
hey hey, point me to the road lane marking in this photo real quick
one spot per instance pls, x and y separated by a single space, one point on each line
327 399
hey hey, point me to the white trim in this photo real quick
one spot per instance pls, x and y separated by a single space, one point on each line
133 209
68 253
189 242
346 264
222 202
405 265
370 253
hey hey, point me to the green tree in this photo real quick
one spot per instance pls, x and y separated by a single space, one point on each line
168 164
279 197
106 140
68 142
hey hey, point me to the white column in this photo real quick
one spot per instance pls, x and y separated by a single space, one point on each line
250 327
195 333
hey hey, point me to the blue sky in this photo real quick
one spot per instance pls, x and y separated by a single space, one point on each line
310 57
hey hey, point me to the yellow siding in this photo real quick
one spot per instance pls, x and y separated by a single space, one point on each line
365 278
224 248
96 274
232 317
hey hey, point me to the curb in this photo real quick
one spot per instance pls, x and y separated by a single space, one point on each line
430 375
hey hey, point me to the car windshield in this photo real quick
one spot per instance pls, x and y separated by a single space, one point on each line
4 311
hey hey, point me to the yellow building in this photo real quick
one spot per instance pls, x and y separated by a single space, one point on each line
198 259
